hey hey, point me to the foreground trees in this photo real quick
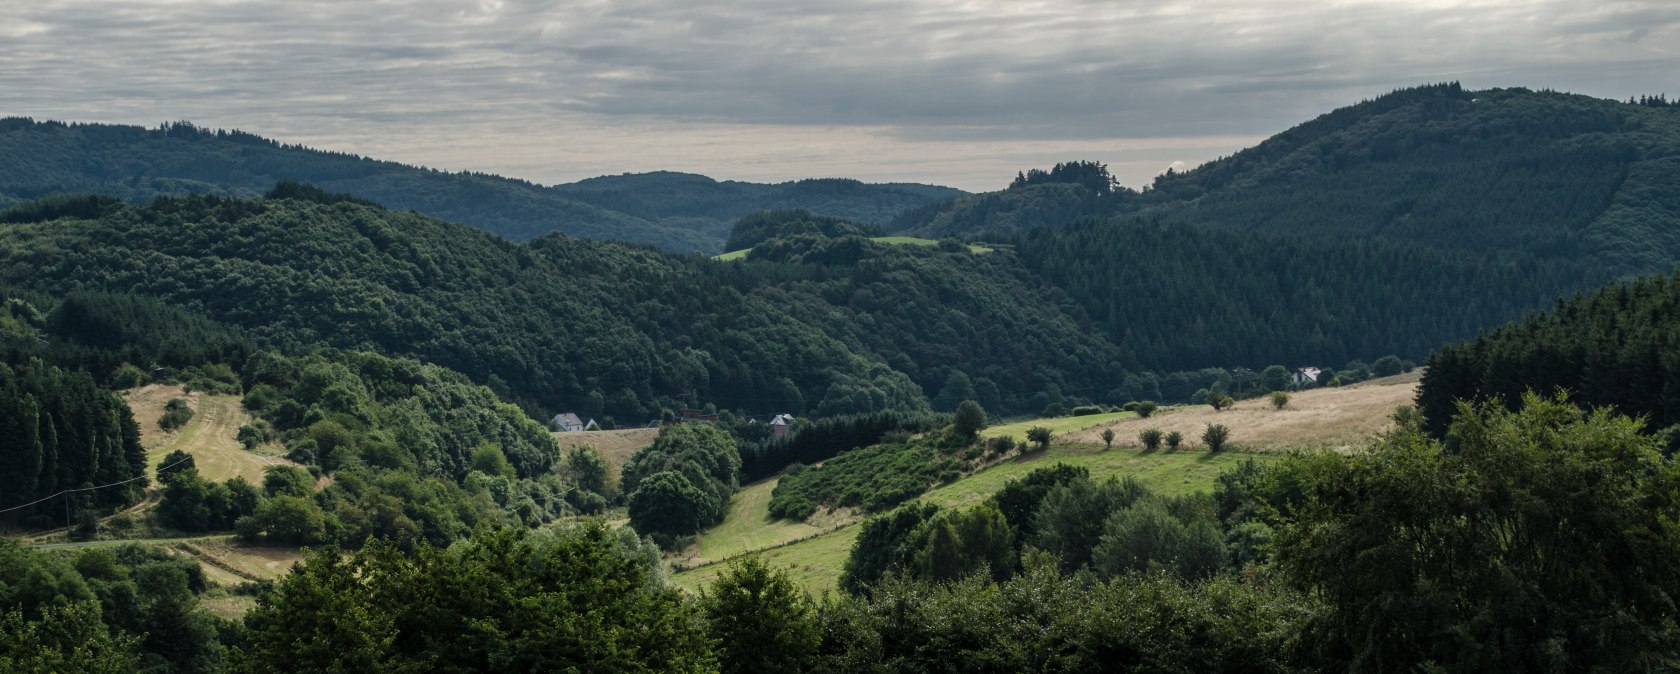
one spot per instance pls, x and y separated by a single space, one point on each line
584 598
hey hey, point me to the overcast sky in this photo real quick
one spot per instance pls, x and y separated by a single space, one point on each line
957 92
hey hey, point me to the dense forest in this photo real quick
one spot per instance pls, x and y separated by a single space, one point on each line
1503 171
59 430
1321 561
1180 298
602 329
678 212
1614 347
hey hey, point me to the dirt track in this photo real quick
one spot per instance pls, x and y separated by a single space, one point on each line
211 437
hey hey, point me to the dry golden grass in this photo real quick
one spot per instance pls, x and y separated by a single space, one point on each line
229 563
614 446
211 437
1336 418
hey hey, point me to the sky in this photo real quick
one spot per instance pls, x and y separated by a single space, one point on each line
955 92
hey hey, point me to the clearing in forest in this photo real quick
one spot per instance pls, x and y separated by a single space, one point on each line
211 437
615 446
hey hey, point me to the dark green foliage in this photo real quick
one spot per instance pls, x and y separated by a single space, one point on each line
881 546
176 413
58 431
626 326
109 334
766 225
759 620
1068 522
957 544
1040 436
1151 439
579 598
175 463
1215 436
1146 408
191 503
1149 537
1279 399
1536 540
1387 366
1091 175
1041 622
1274 378
970 419
1173 439
871 479
126 608
683 481
1019 499
1616 346
826 438
675 211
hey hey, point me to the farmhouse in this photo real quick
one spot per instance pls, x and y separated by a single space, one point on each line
570 423
1306 375
779 426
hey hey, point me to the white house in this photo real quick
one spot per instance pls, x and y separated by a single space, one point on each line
571 423
1306 375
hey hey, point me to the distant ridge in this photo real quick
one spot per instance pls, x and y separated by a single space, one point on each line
676 212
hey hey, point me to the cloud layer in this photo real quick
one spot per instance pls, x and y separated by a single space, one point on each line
961 92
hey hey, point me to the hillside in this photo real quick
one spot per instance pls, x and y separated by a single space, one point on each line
1547 174
210 437
598 328
676 212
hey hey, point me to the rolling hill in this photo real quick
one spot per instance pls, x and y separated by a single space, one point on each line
677 212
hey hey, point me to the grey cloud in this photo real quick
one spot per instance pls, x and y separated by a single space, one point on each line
925 71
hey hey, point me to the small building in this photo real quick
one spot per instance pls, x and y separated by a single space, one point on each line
1306 375
571 423
779 426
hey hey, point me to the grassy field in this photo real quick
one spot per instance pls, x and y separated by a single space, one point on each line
211 437
1336 418
749 527
816 562
889 240
1057 426
614 446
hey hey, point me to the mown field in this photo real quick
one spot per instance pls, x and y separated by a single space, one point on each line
211 437
814 553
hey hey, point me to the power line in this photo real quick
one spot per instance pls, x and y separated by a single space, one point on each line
93 488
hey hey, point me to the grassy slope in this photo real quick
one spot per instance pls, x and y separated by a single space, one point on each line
890 240
211 436
1323 417
615 446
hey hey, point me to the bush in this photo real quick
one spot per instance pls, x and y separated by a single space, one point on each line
1041 436
1174 439
1220 401
1216 436
127 376
176 414
1279 399
1000 445
1146 408
1088 410
1151 439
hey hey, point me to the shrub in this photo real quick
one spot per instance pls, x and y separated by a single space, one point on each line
1146 408
1174 439
176 414
1151 439
1088 410
1041 436
1279 399
1216 436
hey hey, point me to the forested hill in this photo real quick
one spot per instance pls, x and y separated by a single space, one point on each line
566 323
675 212
1549 174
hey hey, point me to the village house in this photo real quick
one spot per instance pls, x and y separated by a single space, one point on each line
779 426
569 422
1306 376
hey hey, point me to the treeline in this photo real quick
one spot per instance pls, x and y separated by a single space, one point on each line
677 212
1182 298
59 431
1321 561
1618 346
812 442
604 330
762 226
415 452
